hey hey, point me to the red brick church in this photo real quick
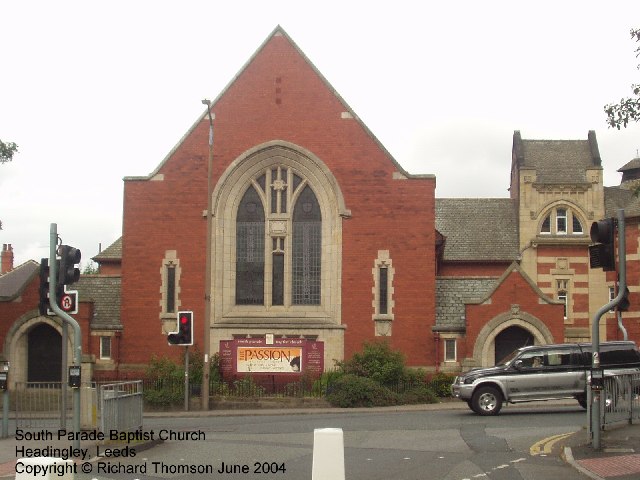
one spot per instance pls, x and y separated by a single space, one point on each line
320 237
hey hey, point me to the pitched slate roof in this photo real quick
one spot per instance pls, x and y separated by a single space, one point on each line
633 164
558 161
112 252
452 294
618 197
478 229
104 292
15 281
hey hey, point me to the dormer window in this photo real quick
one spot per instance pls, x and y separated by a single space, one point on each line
561 221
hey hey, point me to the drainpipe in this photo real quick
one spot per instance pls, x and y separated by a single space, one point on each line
436 337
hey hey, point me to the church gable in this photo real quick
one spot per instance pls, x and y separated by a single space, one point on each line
286 147
514 301
280 95
515 284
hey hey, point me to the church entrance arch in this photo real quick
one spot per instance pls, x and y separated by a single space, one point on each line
517 326
44 353
510 339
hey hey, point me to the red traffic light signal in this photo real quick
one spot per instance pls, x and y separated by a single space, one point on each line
184 335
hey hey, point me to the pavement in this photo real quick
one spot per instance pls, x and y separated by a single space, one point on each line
617 459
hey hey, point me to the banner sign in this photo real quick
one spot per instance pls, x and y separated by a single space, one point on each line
277 356
268 359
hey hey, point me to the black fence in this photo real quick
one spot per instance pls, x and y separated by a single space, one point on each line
170 391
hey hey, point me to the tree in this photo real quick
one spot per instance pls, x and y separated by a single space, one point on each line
6 151
628 110
90 268
6 155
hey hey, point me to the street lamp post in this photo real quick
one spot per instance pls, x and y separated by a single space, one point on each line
207 281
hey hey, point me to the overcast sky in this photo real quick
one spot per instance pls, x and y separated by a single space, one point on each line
95 91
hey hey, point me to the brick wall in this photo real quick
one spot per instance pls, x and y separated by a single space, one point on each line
279 96
514 290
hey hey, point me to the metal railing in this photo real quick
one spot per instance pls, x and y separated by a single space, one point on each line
49 406
621 399
121 406
40 405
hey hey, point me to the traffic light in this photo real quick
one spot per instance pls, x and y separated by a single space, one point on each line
43 305
68 273
184 335
603 253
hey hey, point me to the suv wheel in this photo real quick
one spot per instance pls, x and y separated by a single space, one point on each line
486 401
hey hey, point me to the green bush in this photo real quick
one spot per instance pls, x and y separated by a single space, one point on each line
163 397
350 391
440 383
377 362
418 394
247 387
414 376
196 364
378 376
163 369
164 384
322 385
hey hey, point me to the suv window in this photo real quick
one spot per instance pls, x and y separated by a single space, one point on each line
563 357
531 359
618 356
612 355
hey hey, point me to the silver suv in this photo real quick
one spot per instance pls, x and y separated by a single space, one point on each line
541 372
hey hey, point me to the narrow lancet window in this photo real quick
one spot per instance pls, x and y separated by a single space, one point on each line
250 250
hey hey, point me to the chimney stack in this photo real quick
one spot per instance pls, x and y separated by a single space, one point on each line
6 264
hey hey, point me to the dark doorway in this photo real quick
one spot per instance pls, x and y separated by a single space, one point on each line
511 338
45 354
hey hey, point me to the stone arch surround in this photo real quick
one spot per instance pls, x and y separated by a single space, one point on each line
16 343
324 321
484 351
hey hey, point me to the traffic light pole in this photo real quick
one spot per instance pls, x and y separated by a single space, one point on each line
207 281
596 394
77 339
186 378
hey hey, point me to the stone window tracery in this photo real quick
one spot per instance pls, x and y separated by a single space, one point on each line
278 241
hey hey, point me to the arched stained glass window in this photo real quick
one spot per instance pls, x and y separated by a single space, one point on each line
250 250
278 241
307 244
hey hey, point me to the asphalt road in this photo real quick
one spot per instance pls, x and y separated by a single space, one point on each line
436 444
